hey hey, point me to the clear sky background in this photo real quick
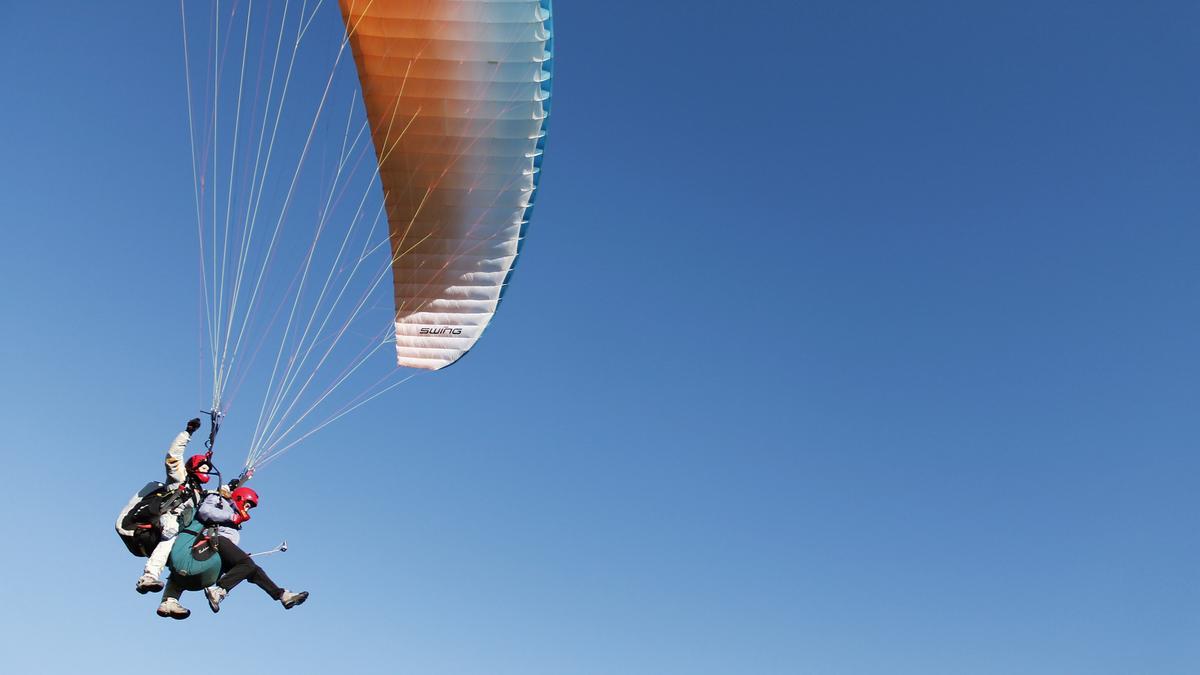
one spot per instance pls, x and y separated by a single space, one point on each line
850 338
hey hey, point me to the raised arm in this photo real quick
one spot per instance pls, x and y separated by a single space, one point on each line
176 472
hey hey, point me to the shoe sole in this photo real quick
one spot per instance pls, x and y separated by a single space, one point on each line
148 589
215 607
177 617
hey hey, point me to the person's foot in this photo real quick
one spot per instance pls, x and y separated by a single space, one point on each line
215 595
148 583
290 599
170 608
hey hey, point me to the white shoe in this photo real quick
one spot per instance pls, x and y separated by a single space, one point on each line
215 595
148 583
290 599
170 608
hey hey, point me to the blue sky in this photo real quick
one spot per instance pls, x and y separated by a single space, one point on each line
849 338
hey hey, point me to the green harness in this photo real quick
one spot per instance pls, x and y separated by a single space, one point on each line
194 562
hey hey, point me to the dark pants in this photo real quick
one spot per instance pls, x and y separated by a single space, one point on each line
237 565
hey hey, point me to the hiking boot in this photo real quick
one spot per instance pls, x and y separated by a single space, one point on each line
148 583
170 608
215 595
290 599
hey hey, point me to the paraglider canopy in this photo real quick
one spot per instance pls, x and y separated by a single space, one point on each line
457 94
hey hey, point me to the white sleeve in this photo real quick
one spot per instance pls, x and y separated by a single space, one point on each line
176 472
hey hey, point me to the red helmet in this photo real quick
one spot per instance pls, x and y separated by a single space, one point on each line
194 464
244 499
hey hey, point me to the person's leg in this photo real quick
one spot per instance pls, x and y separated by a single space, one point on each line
174 590
158 558
238 565
170 607
259 578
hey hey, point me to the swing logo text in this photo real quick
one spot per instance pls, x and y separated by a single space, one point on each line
441 331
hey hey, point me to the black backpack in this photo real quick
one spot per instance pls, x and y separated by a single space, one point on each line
142 520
